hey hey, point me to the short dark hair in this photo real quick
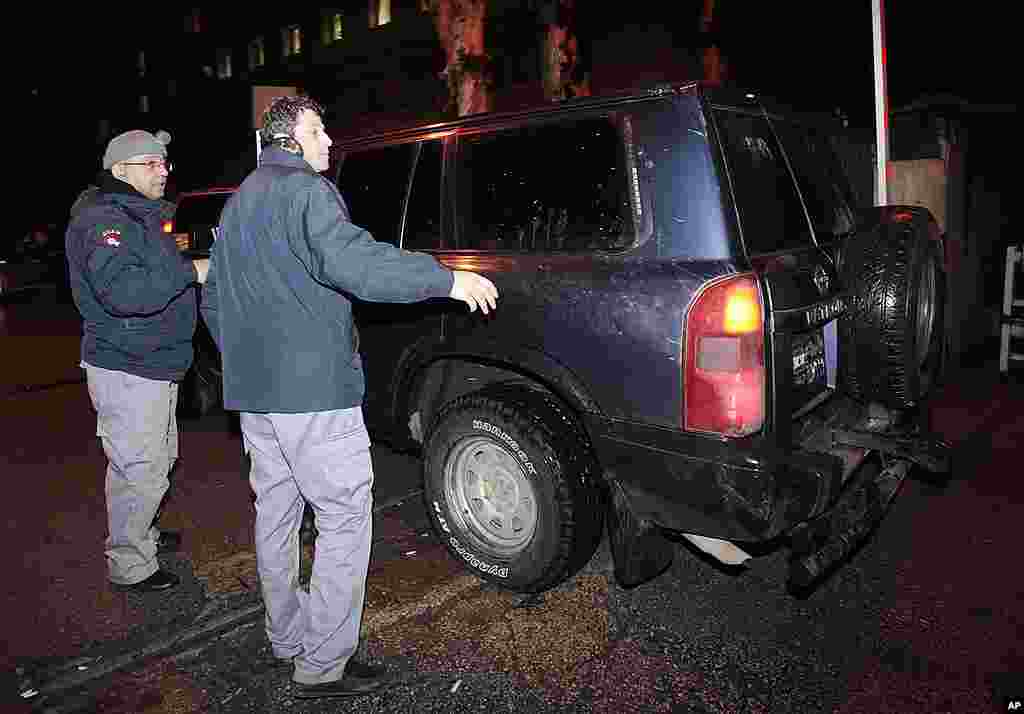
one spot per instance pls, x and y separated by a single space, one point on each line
281 116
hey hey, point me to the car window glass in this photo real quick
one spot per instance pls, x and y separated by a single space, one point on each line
196 216
199 212
821 181
423 215
771 215
546 188
373 183
679 177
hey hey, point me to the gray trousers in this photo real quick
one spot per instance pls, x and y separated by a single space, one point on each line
322 458
136 423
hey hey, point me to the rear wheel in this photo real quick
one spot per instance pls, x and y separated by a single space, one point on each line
511 489
891 339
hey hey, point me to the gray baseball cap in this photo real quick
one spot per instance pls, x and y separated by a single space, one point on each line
135 143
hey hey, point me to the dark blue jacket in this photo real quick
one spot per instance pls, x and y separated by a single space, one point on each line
278 295
130 283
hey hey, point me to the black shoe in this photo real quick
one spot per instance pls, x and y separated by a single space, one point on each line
160 580
168 542
359 680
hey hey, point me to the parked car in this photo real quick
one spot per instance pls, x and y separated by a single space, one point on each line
34 261
195 215
699 333
190 223
18 274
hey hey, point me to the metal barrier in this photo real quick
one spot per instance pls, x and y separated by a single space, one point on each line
1012 327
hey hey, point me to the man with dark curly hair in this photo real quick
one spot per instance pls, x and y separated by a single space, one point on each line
277 301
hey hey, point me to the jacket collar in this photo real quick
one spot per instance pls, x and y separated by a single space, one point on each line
125 195
277 156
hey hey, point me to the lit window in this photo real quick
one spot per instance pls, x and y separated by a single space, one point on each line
380 12
257 58
194 21
292 37
142 63
333 28
223 64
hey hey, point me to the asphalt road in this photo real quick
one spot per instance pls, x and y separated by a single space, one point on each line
926 617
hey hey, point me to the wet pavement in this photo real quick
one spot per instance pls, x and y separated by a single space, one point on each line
927 617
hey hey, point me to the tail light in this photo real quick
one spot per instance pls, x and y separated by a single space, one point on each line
724 372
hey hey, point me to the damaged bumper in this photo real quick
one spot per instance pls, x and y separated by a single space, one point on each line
824 492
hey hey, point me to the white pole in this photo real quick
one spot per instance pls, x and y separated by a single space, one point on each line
881 102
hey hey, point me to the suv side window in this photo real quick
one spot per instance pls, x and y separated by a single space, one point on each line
820 179
423 215
546 188
373 183
771 214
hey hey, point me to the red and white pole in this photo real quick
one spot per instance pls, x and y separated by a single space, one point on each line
881 102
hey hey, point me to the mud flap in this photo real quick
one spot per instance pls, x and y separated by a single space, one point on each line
639 549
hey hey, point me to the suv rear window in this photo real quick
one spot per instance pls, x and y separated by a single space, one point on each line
771 214
822 183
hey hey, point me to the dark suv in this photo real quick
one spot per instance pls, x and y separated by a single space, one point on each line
699 333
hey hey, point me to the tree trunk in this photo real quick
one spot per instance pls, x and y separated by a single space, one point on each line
714 67
564 74
460 28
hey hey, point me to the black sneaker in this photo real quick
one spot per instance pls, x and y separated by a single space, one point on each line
160 580
360 679
168 542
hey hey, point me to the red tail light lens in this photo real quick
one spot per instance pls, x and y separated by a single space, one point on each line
724 373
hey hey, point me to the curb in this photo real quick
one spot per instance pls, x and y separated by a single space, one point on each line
193 634
190 635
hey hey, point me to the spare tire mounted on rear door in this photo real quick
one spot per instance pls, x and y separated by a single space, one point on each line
891 340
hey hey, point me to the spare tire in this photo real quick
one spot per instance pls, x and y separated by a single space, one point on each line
891 338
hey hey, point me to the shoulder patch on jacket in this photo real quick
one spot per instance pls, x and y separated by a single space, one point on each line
111 237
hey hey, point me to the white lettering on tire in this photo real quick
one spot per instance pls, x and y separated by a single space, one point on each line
483 566
441 518
509 441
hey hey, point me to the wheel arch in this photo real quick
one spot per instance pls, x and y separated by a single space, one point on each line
430 376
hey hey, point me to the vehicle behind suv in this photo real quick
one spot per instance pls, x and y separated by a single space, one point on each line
193 216
699 333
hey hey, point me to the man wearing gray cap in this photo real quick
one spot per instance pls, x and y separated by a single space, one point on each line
134 292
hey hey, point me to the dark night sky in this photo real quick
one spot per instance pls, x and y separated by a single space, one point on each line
825 42
818 50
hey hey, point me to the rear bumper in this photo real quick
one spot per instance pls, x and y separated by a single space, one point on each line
744 490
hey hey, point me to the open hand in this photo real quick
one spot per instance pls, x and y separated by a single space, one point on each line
202 266
474 290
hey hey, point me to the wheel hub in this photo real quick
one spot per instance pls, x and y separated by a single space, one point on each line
493 495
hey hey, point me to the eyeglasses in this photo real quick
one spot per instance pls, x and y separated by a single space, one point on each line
154 165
